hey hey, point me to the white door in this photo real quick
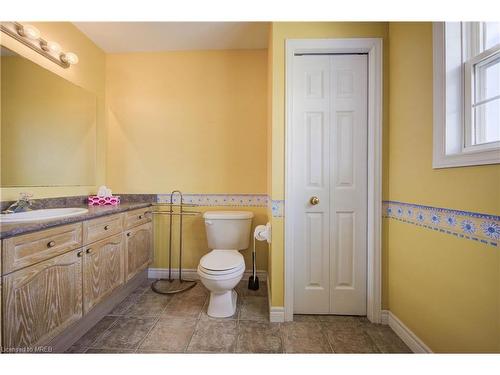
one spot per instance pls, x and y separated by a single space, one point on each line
329 192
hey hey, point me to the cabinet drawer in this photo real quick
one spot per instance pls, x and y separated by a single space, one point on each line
137 217
22 251
97 229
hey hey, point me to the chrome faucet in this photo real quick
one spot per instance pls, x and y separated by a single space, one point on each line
23 204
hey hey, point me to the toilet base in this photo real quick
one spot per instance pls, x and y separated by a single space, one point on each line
222 305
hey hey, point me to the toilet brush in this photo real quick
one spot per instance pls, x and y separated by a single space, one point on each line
253 281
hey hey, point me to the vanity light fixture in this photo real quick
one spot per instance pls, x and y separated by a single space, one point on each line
70 58
51 47
28 31
30 36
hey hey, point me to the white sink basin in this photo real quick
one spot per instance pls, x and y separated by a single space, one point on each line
41 215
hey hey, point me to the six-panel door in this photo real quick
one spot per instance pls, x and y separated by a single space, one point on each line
103 270
138 245
328 205
42 300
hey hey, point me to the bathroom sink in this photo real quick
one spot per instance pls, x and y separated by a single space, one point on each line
41 215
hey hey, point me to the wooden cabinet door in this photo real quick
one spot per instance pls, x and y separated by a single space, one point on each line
40 301
139 249
103 270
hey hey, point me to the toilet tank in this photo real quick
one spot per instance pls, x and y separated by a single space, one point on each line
228 230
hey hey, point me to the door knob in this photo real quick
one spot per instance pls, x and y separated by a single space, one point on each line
314 200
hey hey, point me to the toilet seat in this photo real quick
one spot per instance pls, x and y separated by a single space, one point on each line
222 260
221 265
217 275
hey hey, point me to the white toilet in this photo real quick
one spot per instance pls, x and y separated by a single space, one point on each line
222 268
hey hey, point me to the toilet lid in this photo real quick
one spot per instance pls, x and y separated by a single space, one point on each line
220 260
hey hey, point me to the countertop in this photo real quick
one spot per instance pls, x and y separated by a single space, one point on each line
16 229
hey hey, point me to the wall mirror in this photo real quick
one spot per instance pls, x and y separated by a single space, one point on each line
48 127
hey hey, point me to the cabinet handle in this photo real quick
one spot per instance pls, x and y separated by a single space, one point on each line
51 244
79 254
128 234
106 227
88 251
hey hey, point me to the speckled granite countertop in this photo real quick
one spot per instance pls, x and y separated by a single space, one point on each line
15 229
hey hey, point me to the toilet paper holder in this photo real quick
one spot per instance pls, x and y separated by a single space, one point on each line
263 233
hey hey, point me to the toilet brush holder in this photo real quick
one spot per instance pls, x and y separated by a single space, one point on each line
261 233
253 281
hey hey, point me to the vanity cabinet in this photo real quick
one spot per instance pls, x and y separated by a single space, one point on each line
40 301
138 249
27 249
53 280
103 270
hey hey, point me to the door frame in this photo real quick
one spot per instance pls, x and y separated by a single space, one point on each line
373 47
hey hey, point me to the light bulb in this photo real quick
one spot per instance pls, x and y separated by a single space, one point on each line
70 58
29 31
52 47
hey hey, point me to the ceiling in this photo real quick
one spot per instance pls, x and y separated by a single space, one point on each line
117 37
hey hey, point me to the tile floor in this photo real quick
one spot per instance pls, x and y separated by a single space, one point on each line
146 322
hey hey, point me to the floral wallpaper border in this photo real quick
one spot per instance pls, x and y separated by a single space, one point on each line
473 226
234 200
278 207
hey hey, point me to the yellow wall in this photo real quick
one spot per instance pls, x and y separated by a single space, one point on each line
193 121
88 73
445 289
301 30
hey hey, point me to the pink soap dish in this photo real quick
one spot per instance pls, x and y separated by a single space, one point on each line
95 200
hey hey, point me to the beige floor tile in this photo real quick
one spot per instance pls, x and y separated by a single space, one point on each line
214 337
169 335
109 351
126 333
386 340
148 304
304 337
349 339
306 318
130 300
259 337
198 290
86 340
254 308
344 320
242 289
185 305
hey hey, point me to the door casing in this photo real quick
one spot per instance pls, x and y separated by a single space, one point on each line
373 47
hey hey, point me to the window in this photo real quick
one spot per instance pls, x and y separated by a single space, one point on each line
466 93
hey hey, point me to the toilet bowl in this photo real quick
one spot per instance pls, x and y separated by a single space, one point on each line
220 271
222 268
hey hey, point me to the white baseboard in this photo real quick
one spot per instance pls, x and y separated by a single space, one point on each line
409 338
384 317
276 314
190 273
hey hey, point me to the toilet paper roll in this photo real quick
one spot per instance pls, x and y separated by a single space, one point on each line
260 233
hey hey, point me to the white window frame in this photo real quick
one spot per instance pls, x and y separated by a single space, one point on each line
452 146
469 83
